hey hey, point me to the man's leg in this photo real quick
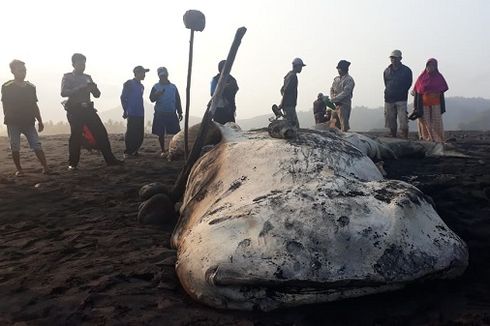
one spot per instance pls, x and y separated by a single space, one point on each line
161 140
14 137
291 115
33 140
344 115
76 120
101 137
402 113
390 118
131 136
139 133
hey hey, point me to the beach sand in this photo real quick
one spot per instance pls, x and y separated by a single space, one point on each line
72 251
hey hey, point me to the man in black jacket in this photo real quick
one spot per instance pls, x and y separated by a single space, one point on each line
78 87
289 92
398 79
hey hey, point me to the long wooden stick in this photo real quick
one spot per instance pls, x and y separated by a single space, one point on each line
179 187
188 97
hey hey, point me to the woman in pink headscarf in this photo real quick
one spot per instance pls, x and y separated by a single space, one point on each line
429 102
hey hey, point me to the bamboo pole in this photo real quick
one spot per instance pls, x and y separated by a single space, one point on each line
188 97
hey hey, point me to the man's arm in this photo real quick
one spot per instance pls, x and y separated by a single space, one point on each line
67 88
178 104
153 95
345 92
289 84
37 114
93 88
214 83
408 79
124 99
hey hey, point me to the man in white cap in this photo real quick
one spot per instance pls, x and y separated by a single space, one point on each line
398 79
168 109
289 92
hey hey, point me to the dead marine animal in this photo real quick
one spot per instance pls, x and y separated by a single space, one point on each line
268 223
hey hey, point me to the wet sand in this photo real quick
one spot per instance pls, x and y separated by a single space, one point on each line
72 251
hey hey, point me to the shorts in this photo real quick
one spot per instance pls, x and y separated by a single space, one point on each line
31 134
165 123
394 110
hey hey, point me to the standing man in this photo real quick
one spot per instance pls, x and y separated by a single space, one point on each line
341 94
78 86
20 112
226 107
167 107
398 79
289 92
134 111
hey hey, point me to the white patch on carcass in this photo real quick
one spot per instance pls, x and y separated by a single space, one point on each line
269 223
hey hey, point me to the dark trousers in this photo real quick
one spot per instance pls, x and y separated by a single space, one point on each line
135 133
78 117
224 115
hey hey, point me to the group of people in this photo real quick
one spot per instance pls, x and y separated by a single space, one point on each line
340 95
428 92
21 111
20 107
168 110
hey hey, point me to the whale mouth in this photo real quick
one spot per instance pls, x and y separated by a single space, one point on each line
227 276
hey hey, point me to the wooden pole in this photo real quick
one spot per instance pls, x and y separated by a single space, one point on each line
188 97
179 187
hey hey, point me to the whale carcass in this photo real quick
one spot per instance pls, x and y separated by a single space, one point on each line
268 223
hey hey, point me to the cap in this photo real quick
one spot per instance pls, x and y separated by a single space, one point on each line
162 71
298 62
343 64
396 54
140 69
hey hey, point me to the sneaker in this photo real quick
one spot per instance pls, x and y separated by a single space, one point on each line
72 167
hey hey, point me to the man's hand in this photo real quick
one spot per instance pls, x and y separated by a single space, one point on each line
180 116
159 93
125 115
40 126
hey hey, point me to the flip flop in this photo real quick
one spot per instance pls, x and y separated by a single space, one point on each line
19 173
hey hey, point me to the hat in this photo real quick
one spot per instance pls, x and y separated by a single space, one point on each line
396 54
343 64
298 62
162 71
140 69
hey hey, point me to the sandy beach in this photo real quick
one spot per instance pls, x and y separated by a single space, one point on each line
72 251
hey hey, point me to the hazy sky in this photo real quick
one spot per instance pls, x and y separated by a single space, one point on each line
118 35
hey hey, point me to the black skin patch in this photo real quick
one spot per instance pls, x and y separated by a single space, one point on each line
394 263
244 244
343 221
294 248
266 229
237 183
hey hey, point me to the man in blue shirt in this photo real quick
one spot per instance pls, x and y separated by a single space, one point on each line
167 105
134 111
